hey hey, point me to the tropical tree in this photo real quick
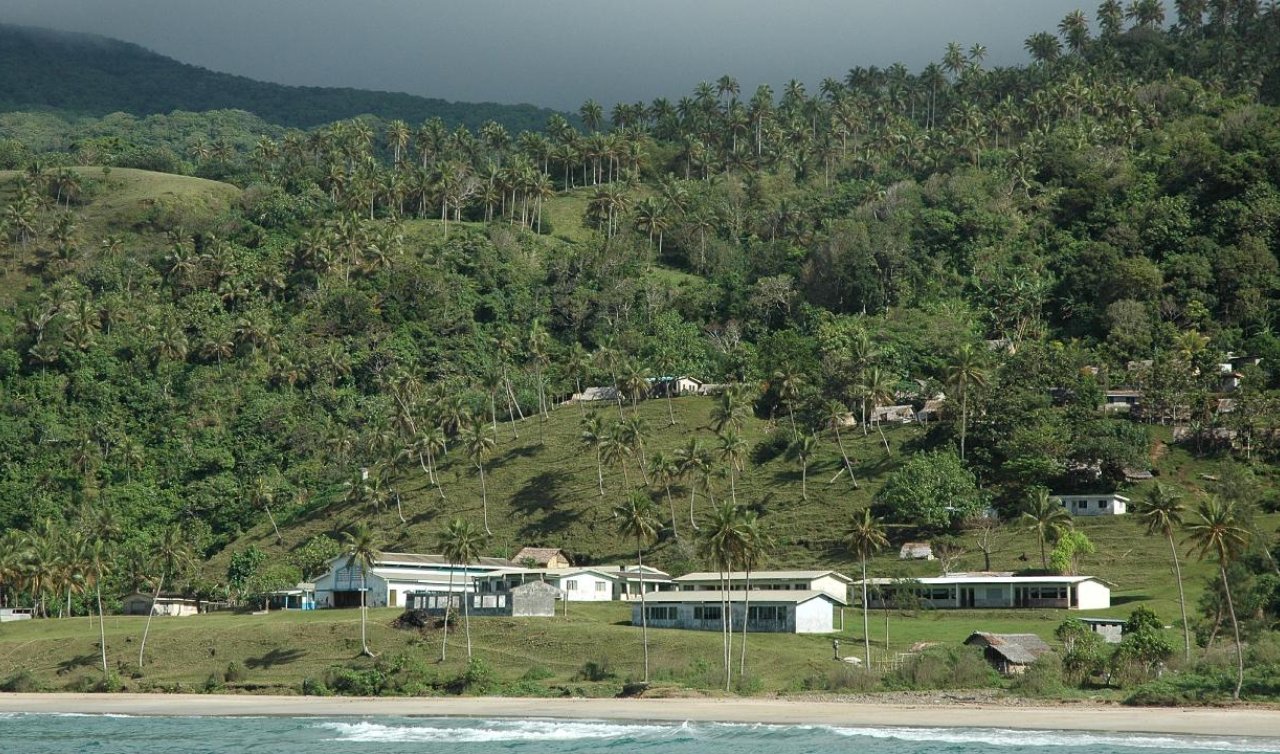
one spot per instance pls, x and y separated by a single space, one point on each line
362 546
98 566
732 449
595 436
261 495
479 445
866 536
1161 511
801 449
755 543
966 370
1044 515
638 520
725 539
1217 532
460 543
171 556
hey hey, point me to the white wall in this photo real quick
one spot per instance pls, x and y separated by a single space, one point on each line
814 617
1090 595
586 587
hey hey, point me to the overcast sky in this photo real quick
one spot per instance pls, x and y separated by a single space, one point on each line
551 52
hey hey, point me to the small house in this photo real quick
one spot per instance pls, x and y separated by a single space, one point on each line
916 551
1110 629
541 557
1010 654
903 414
931 410
172 605
11 614
675 387
300 597
1121 400
801 612
394 575
1094 505
596 393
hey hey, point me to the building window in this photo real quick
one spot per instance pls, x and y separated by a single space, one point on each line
1102 503
707 612
661 613
767 613
571 586
601 586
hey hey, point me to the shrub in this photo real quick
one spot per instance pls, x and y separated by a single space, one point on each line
943 668
478 677
537 673
1041 678
843 677
235 673
353 682
21 682
213 683
595 670
313 687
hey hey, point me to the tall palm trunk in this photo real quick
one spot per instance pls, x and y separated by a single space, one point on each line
142 648
746 620
484 501
644 618
1182 598
448 603
1235 626
728 632
848 466
102 630
866 621
364 612
466 611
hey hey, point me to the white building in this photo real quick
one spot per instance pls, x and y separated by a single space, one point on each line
171 605
796 612
395 574
992 590
1094 505
835 585
587 584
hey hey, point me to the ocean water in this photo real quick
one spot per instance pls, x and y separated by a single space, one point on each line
120 734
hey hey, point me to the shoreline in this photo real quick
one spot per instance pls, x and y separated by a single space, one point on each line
1233 722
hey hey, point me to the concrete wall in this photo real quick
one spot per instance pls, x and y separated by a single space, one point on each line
586 587
1090 595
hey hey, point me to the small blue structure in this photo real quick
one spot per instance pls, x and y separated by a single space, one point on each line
301 597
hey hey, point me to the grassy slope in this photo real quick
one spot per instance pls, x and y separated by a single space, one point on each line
118 202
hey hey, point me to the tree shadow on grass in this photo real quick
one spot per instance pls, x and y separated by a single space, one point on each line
524 451
1126 599
79 661
541 493
275 657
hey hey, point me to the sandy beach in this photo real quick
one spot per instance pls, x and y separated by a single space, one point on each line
1247 721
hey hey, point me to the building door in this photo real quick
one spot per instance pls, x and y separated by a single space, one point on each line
966 596
391 599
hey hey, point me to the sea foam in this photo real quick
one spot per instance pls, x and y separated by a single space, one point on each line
1045 738
487 731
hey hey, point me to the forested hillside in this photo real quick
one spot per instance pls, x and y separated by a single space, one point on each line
359 330
82 74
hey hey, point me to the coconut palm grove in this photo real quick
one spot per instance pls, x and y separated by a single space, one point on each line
747 329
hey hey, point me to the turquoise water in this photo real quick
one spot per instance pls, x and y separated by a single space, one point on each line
116 734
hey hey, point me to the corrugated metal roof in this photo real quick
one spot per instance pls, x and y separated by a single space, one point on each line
1020 649
793 597
763 575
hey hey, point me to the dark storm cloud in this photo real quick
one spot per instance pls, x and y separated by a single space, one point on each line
551 52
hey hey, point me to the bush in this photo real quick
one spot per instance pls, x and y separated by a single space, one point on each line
1042 678
478 677
595 670
21 682
313 687
353 682
843 677
213 683
943 668
235 673
537 673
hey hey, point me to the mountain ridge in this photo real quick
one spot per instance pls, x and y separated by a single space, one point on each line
87 74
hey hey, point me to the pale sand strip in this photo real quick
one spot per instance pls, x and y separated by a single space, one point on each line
1220 722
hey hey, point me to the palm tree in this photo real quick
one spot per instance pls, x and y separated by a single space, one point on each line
616 448
1045 516
637 519
172 555
877 389
788 384
837 414
1217 532
361 545
262 495
479 445
692 460
725 539
460 543
732 449
1162 511
801 449
966 370
754 545
730 411
665 471
595 437
98 565
865 537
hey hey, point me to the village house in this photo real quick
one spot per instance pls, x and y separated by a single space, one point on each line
300 597
1010 654
586 584
1110 629
768 611
395 574
536 599
628 578
675 387
1121 400
595 393
11 614
916 551
903 414
834 585
541 557
992 590
171 605
1094 505
932 409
